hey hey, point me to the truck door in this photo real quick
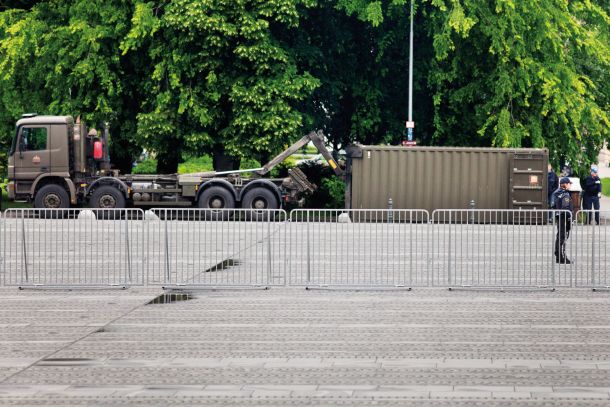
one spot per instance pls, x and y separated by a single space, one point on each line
32 156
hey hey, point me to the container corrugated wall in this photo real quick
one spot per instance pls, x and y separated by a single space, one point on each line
446 178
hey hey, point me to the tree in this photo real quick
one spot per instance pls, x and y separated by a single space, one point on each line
363 70
514 70
64 58
505 73
219 80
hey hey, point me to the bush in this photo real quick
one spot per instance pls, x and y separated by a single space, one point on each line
335 187
248 164
606 186
331 189
281 170
148 166
196 164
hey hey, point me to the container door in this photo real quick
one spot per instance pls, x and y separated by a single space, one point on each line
528 181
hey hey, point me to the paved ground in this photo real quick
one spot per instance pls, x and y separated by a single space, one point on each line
289 347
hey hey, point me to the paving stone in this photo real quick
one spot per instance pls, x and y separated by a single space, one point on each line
289 347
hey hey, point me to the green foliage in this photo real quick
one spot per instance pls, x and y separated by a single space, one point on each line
190 165
6 204
245 78
219 79
281 170
328 193
606 186
62 57
335 188
196 164
530 73
249 163
522 73
148 166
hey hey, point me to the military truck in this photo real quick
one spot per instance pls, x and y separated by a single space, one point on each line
56 162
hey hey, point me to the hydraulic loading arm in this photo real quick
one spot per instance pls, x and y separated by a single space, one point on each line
317 138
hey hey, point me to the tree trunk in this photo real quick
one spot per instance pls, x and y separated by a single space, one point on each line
167 163
222 161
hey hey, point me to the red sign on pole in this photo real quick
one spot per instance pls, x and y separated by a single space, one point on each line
407 143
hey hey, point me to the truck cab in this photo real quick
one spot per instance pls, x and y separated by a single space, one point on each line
40 155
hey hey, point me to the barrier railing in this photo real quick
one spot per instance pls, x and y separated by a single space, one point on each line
215 248
500 248
592 240
73 247
336 248
358 248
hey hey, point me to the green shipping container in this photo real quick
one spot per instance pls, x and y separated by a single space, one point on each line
445 177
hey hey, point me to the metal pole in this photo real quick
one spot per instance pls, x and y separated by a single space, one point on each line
592 240
25 256
308 252
410 130
269 274
167 268
127 247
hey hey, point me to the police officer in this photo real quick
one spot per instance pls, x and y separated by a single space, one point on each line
563 202
593 190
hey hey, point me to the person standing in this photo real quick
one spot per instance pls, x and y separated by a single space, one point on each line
563 203
592 193
552 185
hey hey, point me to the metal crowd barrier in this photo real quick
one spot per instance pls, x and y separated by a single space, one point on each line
358 248
192 248
73 247
482 248
592 243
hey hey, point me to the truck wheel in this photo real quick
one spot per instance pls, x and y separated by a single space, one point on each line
107 197
52 196
216 199
259 199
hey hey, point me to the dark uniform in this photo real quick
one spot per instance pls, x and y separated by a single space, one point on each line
590 198
563 202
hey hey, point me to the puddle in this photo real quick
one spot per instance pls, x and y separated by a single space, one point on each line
223 265
166 298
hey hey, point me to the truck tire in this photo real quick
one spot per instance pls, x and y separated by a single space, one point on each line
259 200
107 197
52 196
216 198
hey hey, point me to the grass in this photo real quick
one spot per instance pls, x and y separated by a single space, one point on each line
606 186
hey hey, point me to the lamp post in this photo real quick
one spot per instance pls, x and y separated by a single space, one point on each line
410 122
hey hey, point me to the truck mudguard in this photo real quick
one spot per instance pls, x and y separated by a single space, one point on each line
109 181
61 178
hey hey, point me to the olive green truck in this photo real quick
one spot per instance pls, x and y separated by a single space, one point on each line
56 162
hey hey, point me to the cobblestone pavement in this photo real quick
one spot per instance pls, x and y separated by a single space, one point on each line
292 347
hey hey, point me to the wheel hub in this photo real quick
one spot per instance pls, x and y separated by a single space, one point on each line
107 201
52 201
259 203
217 203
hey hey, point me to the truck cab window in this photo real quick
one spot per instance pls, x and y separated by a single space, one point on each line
34 138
